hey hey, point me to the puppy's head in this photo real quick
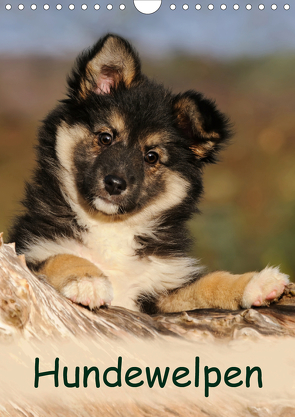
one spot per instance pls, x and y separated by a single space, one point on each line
128 143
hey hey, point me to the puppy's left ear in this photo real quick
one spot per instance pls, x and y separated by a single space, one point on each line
205 128
111 61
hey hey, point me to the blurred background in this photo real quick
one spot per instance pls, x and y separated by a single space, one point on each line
243 59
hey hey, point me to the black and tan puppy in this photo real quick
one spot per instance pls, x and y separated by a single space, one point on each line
119 172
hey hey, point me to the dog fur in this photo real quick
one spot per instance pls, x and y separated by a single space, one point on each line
119 173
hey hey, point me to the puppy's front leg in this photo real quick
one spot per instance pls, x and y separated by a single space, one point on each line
223 290
78 279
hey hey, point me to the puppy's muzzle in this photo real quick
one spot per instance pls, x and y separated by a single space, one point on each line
114 185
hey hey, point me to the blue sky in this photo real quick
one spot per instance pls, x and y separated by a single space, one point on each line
219 33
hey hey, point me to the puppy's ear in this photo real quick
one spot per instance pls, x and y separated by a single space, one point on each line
204 128
111 61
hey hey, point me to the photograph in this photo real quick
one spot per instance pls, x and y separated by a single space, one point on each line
147 208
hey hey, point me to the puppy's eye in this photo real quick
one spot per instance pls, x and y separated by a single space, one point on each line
151 157
105 139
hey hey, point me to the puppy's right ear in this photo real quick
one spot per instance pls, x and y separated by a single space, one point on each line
111 61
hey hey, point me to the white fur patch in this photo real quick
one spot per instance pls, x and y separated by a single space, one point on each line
89 291
105 206
269 282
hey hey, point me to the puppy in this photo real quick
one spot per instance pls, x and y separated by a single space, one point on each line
119 173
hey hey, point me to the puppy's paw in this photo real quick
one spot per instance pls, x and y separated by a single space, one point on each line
264 287
89 291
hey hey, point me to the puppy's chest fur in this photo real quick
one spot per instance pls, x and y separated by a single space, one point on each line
112 248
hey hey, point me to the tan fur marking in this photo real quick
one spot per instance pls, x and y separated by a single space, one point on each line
201 150
60 270
155 139
96 148
198 151
84 90
117 122
216 290
151 172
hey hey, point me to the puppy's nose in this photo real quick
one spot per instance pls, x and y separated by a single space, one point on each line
114 185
